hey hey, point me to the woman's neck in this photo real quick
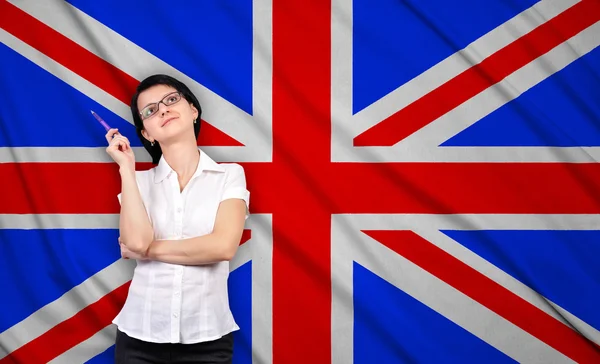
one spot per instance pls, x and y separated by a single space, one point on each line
182 158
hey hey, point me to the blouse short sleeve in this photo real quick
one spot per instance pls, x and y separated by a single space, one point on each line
235 185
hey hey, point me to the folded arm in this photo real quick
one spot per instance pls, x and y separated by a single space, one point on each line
220 245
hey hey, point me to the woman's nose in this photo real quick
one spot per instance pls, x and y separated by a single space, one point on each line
166 108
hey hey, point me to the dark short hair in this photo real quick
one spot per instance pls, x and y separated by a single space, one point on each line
155 151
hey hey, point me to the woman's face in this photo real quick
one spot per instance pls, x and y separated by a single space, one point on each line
166 114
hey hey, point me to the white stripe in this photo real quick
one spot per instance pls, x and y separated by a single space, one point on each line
341 80
422 222
262 288
92 155
242 256
89 348
348 246
423 145
262 76
98 221
69 304
64 154
222 154
137 62
59 221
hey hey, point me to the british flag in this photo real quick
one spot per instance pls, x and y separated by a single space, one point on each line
424 176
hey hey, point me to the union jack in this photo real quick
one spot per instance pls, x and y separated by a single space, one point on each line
423 174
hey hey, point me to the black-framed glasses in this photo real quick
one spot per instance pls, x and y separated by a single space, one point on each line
168 100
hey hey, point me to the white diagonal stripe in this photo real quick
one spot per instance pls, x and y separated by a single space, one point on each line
119 51
423 145
349 246
253 132
66 306
434 77
581 326
66 75
429 225
508 89
89 348
507 281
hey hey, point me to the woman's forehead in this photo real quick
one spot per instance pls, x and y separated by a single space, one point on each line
154 94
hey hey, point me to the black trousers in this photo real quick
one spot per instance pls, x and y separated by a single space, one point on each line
129 350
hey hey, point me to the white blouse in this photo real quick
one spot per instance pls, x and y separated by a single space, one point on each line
171 303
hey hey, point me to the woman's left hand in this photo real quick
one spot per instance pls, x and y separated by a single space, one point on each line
128 254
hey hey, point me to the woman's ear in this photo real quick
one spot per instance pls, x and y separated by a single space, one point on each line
194 111
145 135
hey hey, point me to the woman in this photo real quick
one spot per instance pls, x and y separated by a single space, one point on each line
182 221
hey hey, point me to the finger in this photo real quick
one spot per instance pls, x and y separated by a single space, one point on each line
119 143
123 141
109 134
117 146
120 136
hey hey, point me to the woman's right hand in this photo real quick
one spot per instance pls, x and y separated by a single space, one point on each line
119 149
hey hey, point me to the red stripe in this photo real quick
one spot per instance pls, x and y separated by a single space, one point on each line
559 188
478 78
91 188
86 64
69 188
72 331
37 188
489 293
301 161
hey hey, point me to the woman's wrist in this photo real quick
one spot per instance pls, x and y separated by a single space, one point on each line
126 171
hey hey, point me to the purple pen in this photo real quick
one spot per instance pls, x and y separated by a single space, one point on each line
104 124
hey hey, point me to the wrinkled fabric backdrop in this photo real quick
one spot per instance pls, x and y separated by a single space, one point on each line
423 174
